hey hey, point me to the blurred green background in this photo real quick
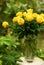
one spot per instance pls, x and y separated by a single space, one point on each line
8 48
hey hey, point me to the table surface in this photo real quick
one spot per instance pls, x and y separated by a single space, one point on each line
37 61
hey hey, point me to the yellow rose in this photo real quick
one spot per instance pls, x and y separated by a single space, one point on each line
39 19
5 24
35 15
19 14
30 10
24 14
42 15
29 17
20 21
15 19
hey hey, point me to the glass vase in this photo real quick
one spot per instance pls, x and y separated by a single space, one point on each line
30 47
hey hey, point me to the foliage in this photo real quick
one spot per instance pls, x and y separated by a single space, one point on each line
40 53
8 51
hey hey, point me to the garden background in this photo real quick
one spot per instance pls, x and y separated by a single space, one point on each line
9 46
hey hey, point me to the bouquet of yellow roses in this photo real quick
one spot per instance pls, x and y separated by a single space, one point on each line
28 23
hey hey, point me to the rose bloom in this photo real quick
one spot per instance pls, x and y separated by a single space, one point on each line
19 14
42 15
30 10
35 15
5 24
20 21
24 13
15 19
29 17
39 19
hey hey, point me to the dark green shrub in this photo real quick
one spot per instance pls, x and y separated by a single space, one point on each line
8 51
